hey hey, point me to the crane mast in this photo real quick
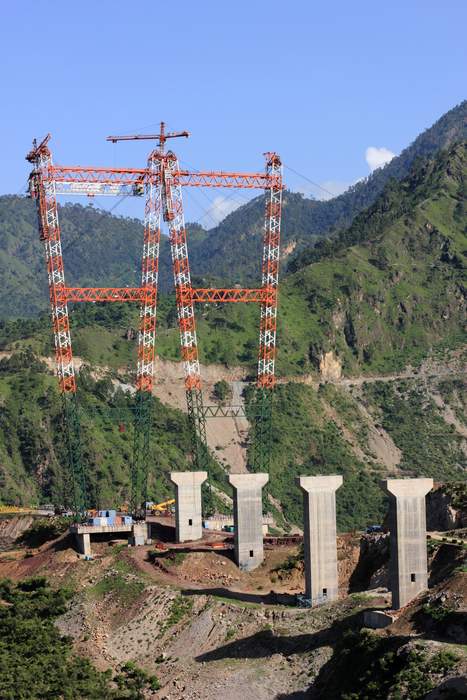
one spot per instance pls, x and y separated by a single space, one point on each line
43 189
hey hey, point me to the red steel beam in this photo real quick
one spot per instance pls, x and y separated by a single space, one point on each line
120 176
203 296
105 293
221 179
132 176
207 296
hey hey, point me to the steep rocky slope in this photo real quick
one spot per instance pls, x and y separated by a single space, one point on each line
205 629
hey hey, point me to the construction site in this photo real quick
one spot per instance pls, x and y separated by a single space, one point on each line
161 183
233 351
155 564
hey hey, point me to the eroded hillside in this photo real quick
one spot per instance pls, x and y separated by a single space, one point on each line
200 628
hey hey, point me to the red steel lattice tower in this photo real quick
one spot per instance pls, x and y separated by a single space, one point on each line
268 321
44 192
43 189
147 334
185 308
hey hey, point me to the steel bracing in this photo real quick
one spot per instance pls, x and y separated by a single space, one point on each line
161 183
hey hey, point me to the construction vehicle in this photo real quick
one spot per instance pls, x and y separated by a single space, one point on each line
163 508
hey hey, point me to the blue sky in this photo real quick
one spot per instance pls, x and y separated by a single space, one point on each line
318 82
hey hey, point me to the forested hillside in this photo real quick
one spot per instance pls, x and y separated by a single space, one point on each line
101 249
388 292
391 289
232 249
32 451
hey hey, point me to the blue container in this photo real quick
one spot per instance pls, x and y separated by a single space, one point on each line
111 521
111 513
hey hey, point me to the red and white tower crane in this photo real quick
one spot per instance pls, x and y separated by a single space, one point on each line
161 181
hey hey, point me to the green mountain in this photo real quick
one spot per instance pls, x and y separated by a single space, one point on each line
390 289
387 292
96 246
238 237
101 249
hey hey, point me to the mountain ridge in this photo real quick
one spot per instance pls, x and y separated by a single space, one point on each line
101 249
304 220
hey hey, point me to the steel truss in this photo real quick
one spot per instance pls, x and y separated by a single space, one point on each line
187 294
161 182
130 181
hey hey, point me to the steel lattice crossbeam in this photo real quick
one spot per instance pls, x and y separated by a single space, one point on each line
104 294
225 295
219 411
139 294
132 181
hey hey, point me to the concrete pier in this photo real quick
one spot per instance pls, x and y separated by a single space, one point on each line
248 519
408 569
319 530
83 542
139 534
188 510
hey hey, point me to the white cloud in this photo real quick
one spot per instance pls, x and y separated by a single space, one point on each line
377 157
219 209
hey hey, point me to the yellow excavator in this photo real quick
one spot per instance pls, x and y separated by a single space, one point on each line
162 508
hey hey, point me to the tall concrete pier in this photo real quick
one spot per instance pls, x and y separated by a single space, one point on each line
408 569
188 511
319 530
248 519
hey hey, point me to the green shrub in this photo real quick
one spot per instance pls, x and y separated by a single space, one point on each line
222 390
436 612
369 667
135 680
36 662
